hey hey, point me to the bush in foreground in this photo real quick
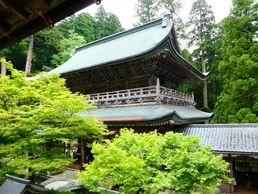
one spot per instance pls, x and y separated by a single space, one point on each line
152 162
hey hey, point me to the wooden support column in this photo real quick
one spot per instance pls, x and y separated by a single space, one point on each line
231 173
3 69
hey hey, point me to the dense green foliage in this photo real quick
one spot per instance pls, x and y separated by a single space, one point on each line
53 46
106 24
65 47
152 162
38 120
238 68
148 10
203 38
202 23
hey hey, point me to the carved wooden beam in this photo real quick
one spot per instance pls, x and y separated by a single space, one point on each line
14 8
46 2
4 26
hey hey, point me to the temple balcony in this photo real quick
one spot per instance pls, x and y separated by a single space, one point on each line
144 95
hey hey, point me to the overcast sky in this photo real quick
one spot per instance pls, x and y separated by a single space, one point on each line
125 9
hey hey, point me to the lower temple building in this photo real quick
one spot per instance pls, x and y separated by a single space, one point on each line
134 77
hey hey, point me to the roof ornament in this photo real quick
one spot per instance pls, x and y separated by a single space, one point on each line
165 21
97 2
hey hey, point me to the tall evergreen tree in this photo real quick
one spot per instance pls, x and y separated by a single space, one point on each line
47 44
106 23
201 36
238 68
16 53
65 48
82 24
147 10
53 45
172 8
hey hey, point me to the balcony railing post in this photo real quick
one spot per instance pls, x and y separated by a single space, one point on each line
158 87
193 96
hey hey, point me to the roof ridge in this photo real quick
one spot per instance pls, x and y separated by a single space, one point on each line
17 179
224 124
120 34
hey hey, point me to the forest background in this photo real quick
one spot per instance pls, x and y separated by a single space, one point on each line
227 50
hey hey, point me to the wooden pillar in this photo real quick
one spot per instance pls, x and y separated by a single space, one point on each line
3 69
231 174
83 157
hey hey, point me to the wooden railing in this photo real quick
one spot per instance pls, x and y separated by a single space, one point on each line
154 94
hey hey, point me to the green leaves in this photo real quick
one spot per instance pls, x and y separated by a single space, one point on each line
151 162
37 119
105 23
53 46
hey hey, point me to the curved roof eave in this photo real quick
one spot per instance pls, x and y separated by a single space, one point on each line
154 27
180 115
181 59
119 60
126 59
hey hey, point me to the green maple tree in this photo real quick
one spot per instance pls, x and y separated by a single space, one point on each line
38 120
152 162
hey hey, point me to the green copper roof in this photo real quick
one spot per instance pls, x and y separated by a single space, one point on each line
119 46
142 113
127 45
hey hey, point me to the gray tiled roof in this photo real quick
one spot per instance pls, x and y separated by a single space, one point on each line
13 185
226 138
179 114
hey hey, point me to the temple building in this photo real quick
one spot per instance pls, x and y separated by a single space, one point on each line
134 78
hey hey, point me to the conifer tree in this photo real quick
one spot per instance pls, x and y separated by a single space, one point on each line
147 10
201 36
106 23
172 8
238 68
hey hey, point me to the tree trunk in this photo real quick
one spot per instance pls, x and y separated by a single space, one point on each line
3 69
29 57
205 94
83 157
205 87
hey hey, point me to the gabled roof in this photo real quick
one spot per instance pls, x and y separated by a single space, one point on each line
13 185
125 46
166 114
226 138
